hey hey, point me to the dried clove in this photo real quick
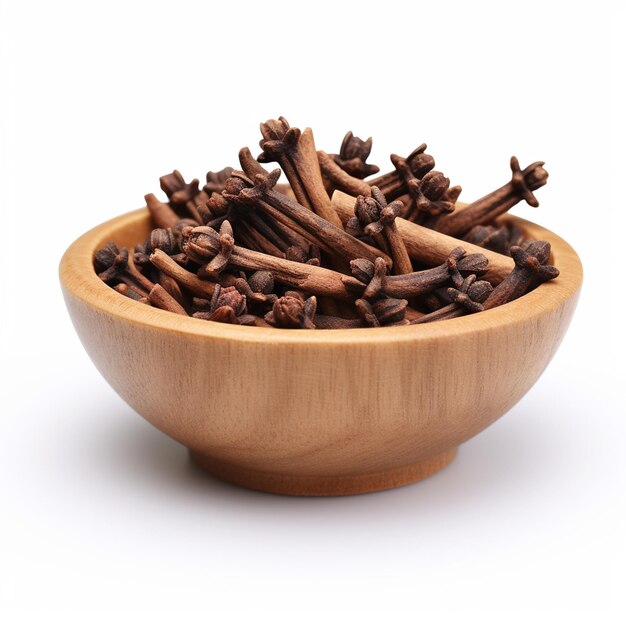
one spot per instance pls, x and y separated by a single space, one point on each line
258 289
116 266
417 165
396 250
374 217
260 193
203 244
161 299
457 265
353 155
162 214
227 305
292 311
296 154
186 279
427 246
215 181
383 312
339 178
500 238
468 298
430 197
531 269
498 202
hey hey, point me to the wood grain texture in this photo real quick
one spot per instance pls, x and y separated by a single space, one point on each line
316 412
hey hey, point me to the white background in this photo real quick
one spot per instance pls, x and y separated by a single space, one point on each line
102 516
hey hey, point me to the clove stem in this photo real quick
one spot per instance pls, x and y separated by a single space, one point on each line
496 203
191 281
161 299
428 246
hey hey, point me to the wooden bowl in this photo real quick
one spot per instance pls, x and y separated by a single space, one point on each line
316 412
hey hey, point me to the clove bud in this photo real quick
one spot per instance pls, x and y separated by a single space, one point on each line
397 251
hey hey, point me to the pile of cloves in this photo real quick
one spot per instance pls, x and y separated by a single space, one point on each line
338 247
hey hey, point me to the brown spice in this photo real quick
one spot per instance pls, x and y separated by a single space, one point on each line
116 266
498 202
383 312
468 298
202 244
215 180
427 246
185 278
297 156
309 262
338 178
353 155
162 214
227 305
374 217
415 284
393 184
531 269
161 299
292 311
260 193
431 197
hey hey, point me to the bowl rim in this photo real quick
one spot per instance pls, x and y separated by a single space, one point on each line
79 280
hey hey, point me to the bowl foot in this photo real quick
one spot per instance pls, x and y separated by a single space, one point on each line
323 485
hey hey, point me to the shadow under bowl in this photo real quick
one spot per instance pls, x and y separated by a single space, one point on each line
316 412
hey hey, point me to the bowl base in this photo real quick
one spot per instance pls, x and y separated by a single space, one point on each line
323 485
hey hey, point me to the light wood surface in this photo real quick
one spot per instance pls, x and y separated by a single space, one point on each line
316 412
